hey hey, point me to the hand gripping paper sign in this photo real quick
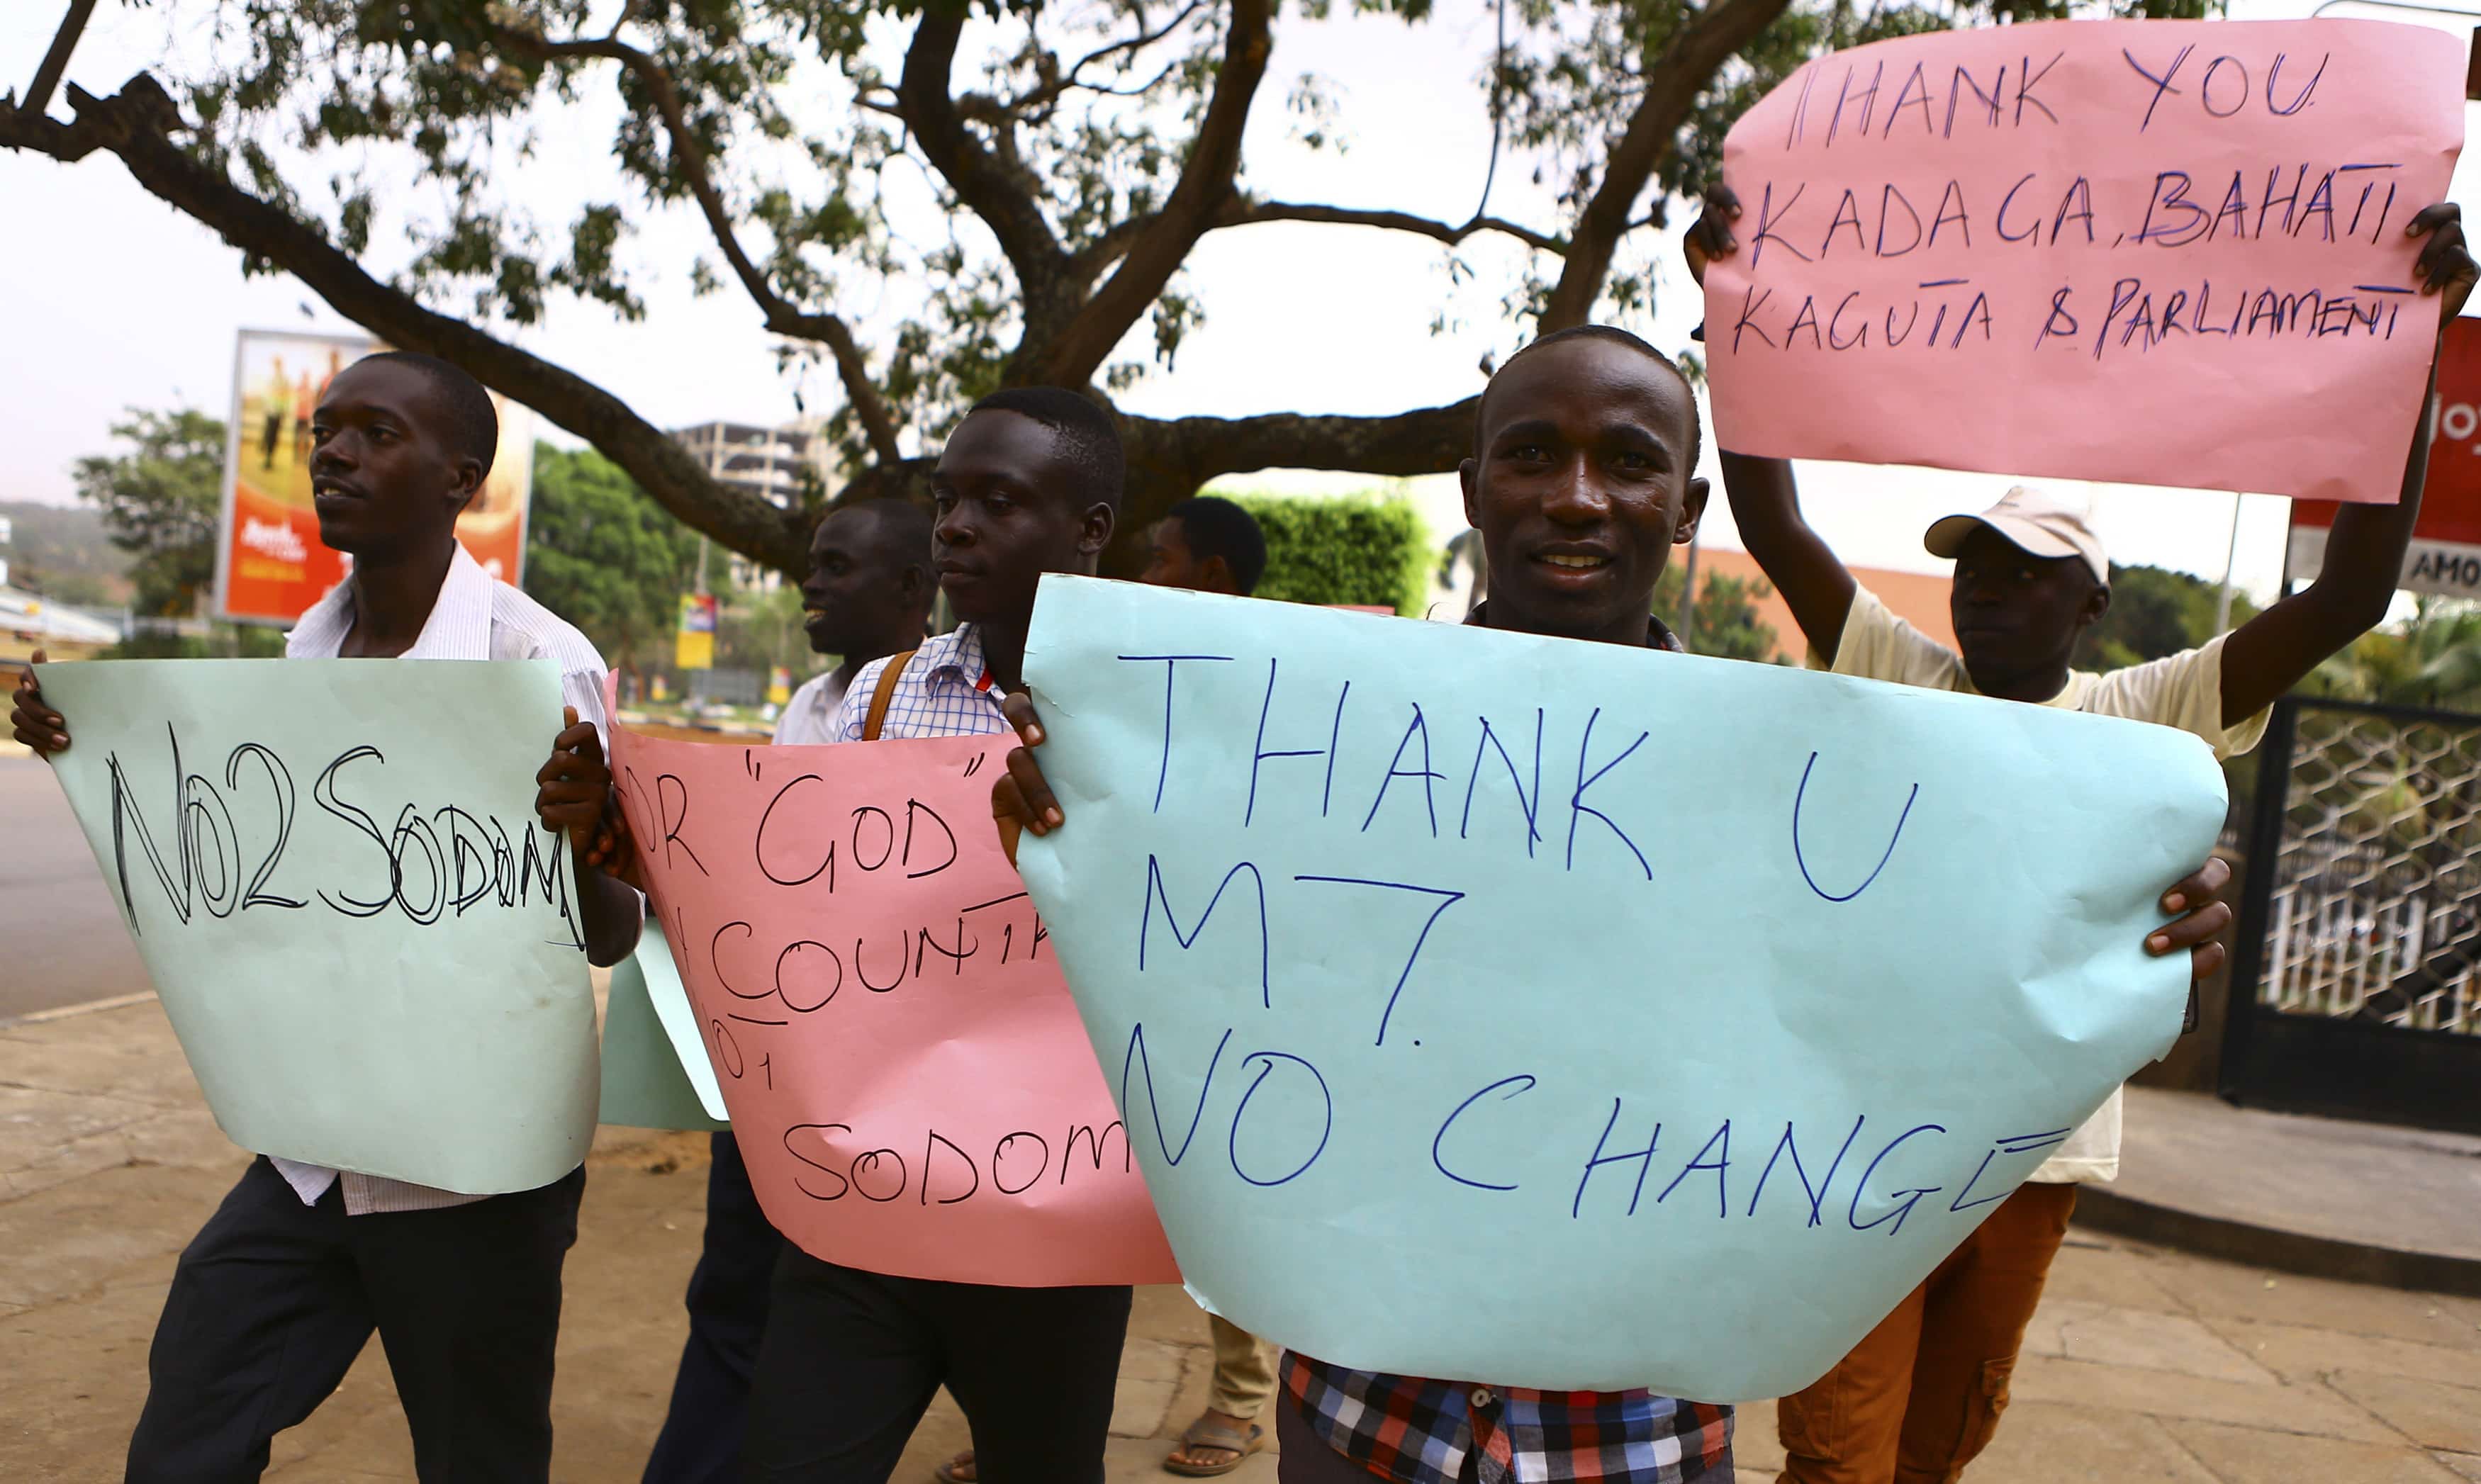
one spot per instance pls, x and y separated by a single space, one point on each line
907 1075
1544 1013
360 931
2165 253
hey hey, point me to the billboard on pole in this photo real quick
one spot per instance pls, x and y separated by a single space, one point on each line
2446 555
269 564
694 645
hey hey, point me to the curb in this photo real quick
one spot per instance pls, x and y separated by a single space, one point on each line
71 1011
2290 1252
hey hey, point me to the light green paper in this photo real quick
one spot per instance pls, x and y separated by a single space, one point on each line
458 1051
648 1082
1391 1167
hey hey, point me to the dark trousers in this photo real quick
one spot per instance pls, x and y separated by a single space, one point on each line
700 1443
852 1359
274 1299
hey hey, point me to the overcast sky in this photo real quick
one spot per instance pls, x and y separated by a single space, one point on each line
115 300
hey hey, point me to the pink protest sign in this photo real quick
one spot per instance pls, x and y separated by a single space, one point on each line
2163 252
907 1075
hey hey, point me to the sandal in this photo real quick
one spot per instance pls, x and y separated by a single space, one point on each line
958 1470
1205 1434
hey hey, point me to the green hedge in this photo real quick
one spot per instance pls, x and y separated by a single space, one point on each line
1341 549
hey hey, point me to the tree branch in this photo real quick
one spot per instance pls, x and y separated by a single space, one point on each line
1672 84
1052 92
1170 459
1158 249
1245 214
690 155
56 61
985 186
135 125
1186 452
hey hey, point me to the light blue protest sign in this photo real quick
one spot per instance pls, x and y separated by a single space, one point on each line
1543 1013
359 930
656 1074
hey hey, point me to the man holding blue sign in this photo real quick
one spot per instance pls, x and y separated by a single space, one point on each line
1922 1395
1580 486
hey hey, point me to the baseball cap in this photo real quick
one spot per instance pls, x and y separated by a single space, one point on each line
2033 520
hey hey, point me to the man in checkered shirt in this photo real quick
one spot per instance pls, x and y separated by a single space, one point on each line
1580 486
1030 483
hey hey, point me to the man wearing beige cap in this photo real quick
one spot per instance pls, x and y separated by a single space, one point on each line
1920 1396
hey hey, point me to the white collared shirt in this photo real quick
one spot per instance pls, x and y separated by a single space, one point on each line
476 616
810 716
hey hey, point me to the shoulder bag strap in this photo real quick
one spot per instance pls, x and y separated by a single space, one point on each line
886 693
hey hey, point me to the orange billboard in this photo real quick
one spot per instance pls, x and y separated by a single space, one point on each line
270 562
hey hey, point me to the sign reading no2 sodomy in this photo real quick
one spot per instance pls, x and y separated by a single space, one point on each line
2164 252
1546 1013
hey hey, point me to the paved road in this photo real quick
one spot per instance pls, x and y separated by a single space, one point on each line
60 938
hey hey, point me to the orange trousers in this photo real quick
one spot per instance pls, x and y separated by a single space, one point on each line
1920 1396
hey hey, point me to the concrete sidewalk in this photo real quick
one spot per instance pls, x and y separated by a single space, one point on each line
2322 1196
2143 1362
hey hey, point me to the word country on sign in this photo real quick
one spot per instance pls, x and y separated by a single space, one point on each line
905 1074
361 934
1655 984
2162 252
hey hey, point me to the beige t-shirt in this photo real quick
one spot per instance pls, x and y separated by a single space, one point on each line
2182 691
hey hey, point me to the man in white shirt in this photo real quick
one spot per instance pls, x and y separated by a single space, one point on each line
1920 1396
279 1291
866 596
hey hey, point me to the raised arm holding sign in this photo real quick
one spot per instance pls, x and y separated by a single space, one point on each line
2025 658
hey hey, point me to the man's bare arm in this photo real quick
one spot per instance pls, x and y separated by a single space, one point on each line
1766 500
2364 553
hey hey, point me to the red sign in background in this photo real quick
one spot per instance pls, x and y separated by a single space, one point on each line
2446 555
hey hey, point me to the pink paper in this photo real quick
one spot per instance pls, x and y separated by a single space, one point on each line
2163 252
906 1074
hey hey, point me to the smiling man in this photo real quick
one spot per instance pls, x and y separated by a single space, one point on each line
867 596
280 1291
1580 484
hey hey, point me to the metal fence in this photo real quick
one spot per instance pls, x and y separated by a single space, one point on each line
2360 918
2375 912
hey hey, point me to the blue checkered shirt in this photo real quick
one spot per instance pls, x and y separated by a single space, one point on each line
944 691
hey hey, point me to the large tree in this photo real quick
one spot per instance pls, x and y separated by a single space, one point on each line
160 501
601 554
1079 151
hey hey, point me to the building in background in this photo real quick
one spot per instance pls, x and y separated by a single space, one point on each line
28 623
766 462
755 459
1919 598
